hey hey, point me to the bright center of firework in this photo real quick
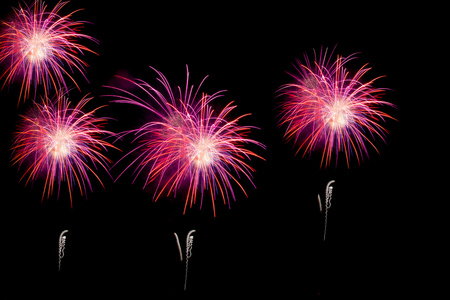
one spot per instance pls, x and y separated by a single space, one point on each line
36 47
338 114
203 152
60 144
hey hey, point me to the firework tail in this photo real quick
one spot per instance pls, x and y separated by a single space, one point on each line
61 248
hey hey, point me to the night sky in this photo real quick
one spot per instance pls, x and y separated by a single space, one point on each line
120 243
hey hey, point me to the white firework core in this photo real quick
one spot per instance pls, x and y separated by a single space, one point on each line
36 47
60 143
203 152
338 114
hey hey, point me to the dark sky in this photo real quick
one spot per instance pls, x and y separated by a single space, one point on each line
121 243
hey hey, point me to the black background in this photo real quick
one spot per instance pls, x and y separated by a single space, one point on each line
120 243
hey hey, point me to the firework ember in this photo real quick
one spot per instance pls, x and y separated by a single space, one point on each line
188 144
60 144
328 109
41 47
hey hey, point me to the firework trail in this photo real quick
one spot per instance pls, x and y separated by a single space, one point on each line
328 195
189 245
61 248
41 47
187 143
328 109
60 143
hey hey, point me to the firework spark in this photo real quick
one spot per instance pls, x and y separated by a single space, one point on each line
188 144
42 47
61 142
328 109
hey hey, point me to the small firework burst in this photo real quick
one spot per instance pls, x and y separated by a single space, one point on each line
41 47
188 144
60 144
328 109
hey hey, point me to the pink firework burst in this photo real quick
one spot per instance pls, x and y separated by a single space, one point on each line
41 47
61 144
328 109
188 144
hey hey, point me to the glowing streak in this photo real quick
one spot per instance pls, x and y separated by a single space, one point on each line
179 246
320 203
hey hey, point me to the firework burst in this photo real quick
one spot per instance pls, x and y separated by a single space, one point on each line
60 143
188 144
42 47
328 109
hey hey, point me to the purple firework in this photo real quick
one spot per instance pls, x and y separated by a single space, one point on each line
329 109
187 143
